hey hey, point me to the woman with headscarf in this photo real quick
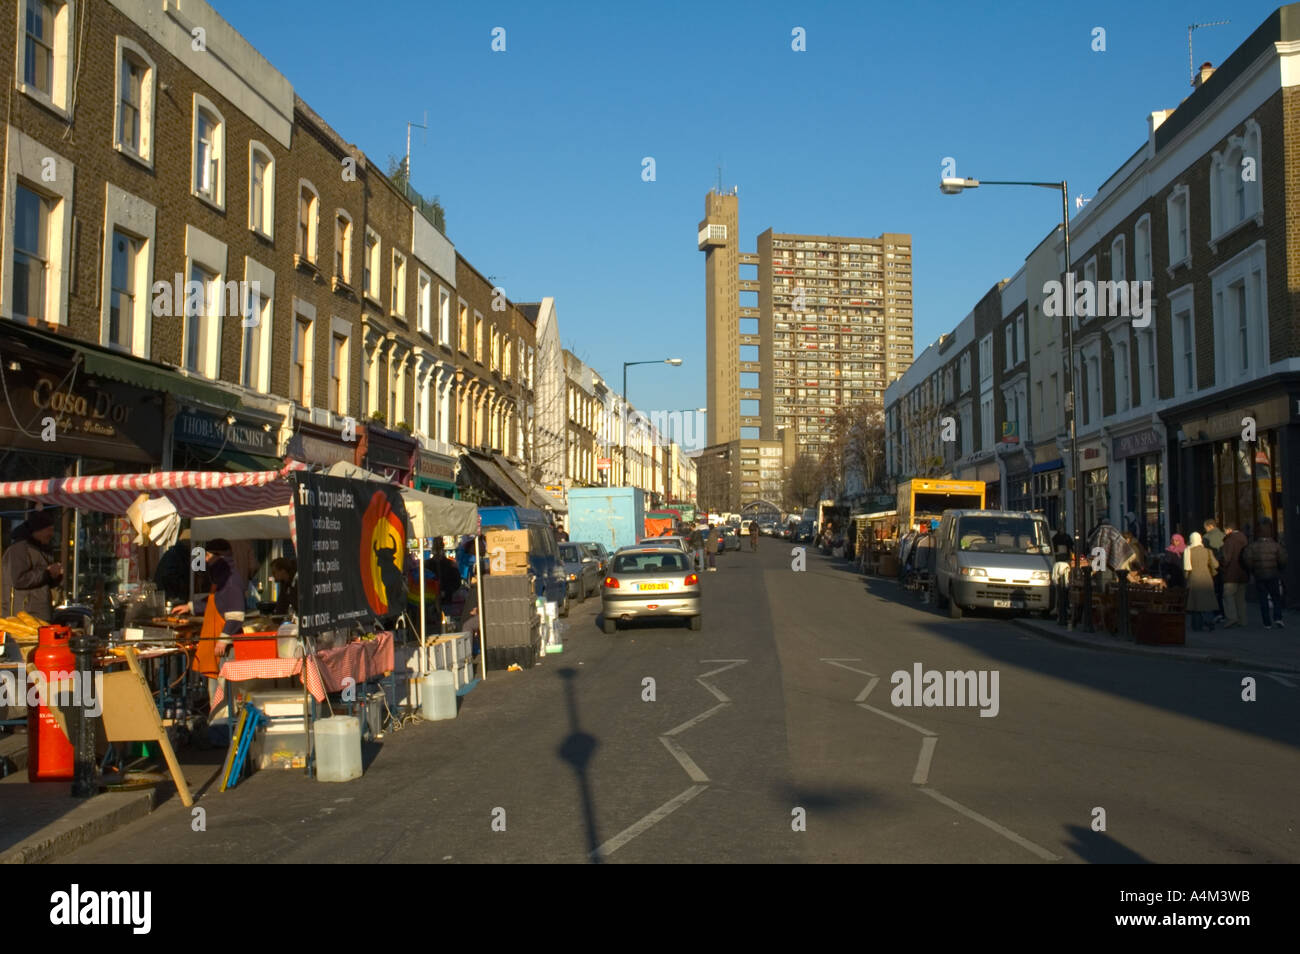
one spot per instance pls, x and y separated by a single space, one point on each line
1171 562
1200 565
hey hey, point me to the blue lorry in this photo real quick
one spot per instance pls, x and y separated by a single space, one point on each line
614 516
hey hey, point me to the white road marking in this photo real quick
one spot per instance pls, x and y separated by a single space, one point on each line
862 696
1284 680
922 774
836 662
694 771
992 825
890 715
656 816
697 720
1281 679
683 759
718 693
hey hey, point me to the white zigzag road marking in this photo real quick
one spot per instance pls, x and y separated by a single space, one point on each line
687 763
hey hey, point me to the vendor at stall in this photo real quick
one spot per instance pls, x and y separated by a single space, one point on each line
284 570
30 571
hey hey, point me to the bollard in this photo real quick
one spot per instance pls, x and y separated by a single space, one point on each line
82 725
1123 605
1087 599
1062 600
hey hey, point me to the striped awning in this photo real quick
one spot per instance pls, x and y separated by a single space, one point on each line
194 493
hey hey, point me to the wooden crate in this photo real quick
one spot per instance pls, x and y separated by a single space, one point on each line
1160 629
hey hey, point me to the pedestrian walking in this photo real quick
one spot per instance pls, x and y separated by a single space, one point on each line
753 537
712 546
1265 559
696 542
1200 565
1235 576
1213 539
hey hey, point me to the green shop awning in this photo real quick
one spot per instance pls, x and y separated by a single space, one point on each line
154 378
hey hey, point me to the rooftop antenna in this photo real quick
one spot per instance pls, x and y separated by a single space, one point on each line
1191 63
719 178
423 125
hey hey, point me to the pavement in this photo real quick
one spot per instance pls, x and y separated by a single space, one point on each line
779 733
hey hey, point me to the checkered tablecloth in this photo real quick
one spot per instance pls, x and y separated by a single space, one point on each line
323 672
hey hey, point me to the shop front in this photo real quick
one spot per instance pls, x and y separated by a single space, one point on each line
391 454
1048 493
1230 477
320 446
1096 483
435 473
59 421
211 440
991 473
1140 462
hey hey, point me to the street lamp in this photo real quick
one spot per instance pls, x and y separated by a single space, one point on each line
675 362
954 186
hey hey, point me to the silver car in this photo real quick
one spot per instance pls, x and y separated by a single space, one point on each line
650 581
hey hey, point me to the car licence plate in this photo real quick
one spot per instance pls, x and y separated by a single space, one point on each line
652 586
1008 604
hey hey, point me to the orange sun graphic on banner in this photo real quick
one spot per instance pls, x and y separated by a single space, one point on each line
383 548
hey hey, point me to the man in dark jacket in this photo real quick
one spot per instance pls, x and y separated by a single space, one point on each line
1233 572
28 571
1265 559
1213 538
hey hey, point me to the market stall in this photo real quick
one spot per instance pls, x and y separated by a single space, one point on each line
1156 612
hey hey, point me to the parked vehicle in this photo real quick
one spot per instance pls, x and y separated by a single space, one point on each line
599 551
543 549
614 516
995 559
581 570
806 532
650 582
679 542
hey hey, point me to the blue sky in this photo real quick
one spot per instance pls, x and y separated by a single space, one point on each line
537 152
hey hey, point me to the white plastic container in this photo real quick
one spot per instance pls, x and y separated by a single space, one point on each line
439 695
338 749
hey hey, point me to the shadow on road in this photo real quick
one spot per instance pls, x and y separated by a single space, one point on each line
577 749
1150 680
1098 848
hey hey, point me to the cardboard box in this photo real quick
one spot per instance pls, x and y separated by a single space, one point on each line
512 541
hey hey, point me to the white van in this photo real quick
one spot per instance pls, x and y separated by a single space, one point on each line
994 559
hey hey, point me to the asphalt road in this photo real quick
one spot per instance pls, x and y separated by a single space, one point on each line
772 737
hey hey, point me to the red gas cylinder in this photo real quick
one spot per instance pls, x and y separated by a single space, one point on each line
50 755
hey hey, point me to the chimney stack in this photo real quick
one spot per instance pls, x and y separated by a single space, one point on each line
1204 73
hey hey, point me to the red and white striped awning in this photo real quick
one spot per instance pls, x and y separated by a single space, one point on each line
194 493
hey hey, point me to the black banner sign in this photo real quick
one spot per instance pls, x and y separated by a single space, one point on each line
351 540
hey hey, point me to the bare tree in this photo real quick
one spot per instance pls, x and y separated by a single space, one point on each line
856 446
803 483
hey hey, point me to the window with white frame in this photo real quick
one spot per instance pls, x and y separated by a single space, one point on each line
206 301
1117 265
125 294
1235 183
425 303
1240 323
1179 225
965 372
340 350
444 316
256 327
1008 334
398 305
343 247
300 353
1143 269
1184 342
987 437
1020 338
308 221
45 61
506 354
261 190
1123 387
32 256
371 277
209 153
478 337
1090 280
986 358
134 120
